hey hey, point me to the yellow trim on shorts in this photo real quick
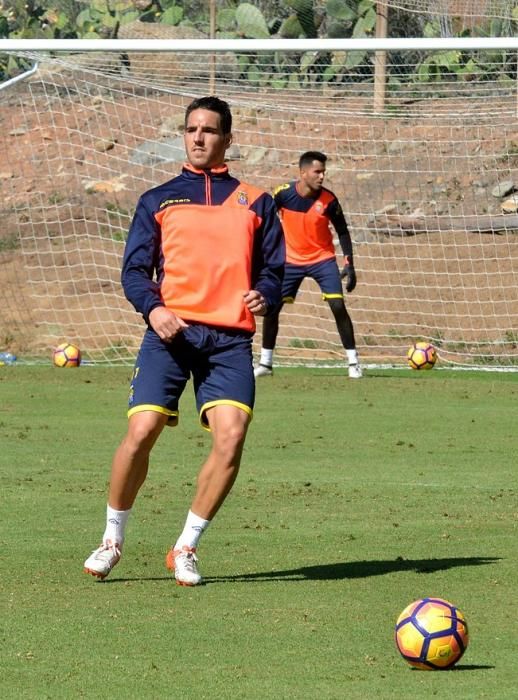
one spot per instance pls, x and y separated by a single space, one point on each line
325 297
172 415
222 402
288 300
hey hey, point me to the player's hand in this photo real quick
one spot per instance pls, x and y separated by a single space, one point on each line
165 323
255 302
349 275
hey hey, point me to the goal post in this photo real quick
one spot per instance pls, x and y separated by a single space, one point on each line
429 184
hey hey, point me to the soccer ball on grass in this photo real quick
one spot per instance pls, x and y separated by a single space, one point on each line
66 355
421 355
431 634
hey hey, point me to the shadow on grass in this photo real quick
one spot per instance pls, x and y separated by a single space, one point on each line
334 572
468 667
136 579
358 569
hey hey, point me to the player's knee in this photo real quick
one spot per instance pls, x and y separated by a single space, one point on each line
229 441
337 306
231 437
144 429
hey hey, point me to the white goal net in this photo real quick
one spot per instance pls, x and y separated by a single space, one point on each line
424 162
468 10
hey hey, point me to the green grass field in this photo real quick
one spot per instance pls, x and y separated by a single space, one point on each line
355 498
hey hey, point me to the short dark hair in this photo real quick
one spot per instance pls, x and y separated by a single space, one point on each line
213 104
309 156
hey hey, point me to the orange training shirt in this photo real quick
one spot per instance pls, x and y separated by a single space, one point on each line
208 238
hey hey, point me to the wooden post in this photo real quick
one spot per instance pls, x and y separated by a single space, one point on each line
380 58
212 57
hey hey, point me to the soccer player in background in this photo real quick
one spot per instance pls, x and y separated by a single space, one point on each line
204 256
306 209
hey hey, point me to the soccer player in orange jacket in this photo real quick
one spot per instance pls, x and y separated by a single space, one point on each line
204 256
306 209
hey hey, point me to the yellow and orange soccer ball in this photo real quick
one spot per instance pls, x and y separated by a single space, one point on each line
421 355
66 355
431 634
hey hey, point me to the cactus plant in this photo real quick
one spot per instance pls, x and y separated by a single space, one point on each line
250 21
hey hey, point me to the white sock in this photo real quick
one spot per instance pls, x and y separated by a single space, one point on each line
115 524
266 357
192 531
352 357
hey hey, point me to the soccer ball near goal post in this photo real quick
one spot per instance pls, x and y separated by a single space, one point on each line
66 355
431 634
421 355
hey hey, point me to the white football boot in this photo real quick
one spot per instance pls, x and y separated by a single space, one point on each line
184 564
263 371
355 371
102 560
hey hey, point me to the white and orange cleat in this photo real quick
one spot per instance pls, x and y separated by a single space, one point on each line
184 564
102 560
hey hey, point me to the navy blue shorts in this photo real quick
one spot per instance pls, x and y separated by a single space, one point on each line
326 274
219 362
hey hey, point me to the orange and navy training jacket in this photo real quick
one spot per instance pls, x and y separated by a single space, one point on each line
198 243
305 221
